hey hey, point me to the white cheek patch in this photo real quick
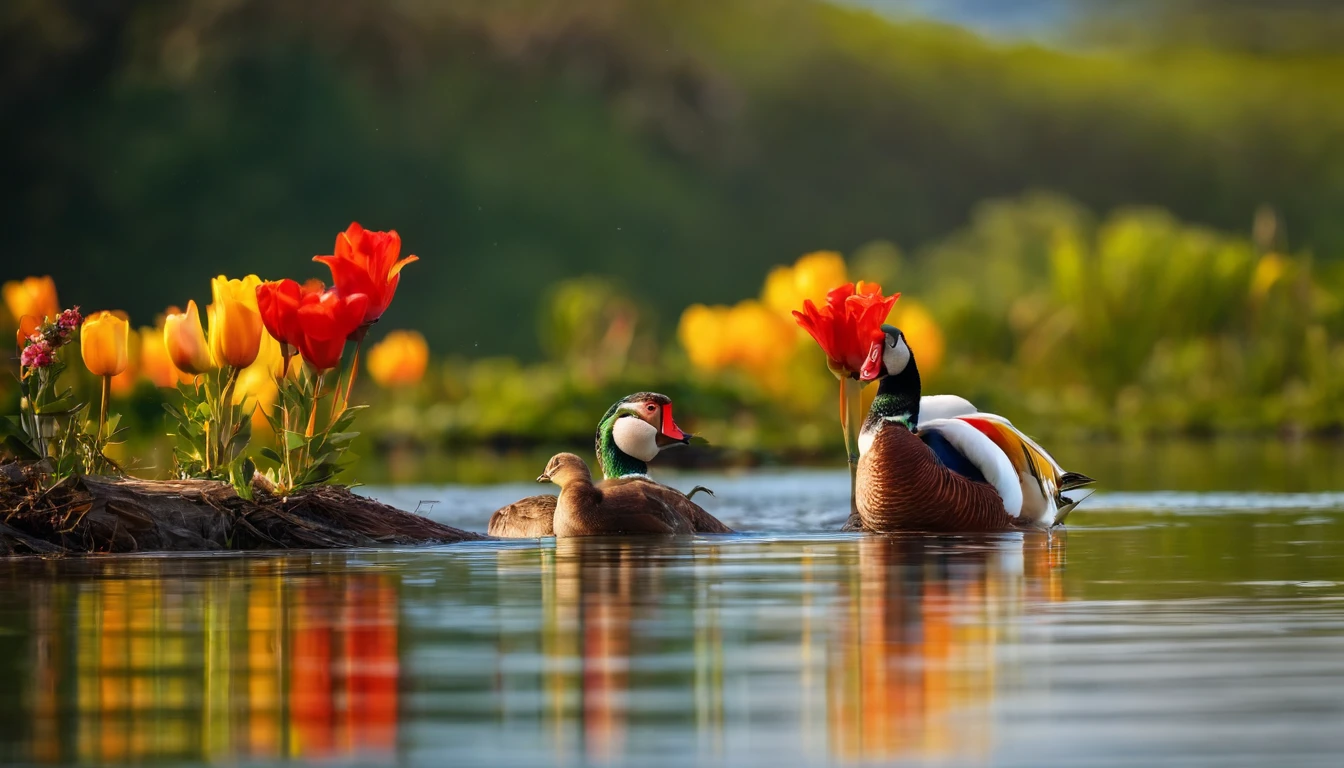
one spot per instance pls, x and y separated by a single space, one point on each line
894 359
636 437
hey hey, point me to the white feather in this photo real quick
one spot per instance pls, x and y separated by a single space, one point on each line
986 456
636 438
934 407
866 439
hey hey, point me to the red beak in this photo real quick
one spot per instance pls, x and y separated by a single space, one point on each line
872 364
670 428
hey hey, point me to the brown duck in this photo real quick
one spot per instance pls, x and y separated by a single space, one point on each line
969 471
627 506
631 433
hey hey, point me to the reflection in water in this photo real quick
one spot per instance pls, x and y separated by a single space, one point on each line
143 661
914 661
898 645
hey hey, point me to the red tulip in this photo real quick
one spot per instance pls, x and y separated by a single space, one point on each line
366 262
278 301
325 321
849 328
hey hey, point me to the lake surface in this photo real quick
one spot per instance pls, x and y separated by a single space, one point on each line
1173 628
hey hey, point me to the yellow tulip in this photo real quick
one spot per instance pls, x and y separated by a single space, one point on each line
235 322
700 332
257 386
185 341
399 359
33 297
809 278
759 339
103 341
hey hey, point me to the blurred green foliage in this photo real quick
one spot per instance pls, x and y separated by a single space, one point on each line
679 147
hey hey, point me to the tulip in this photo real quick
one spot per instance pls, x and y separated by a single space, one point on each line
235 321
278 302
849 330
366 262
257 385
28 325
185 341
326 320
35 296
155 364
849 327
103 341
399 359
700 332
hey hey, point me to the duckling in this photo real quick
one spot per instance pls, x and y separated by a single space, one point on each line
631 506
964 471
631 433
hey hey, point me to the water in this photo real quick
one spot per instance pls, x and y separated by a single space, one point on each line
1195 628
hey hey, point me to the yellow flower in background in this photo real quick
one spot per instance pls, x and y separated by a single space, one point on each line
1268 272
185 341
235 322
811 277
155 365
123 383
759 339
700 332
103 341
32 296
922 333
399 359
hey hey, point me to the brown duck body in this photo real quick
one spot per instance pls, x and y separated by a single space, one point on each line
630 508
901 486
534 516
529 518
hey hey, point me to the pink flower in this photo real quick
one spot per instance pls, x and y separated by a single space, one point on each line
37 354
70 319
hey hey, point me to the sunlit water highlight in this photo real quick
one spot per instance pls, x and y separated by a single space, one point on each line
1167 628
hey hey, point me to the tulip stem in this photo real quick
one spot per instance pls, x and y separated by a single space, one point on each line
850 419
102 412
358 336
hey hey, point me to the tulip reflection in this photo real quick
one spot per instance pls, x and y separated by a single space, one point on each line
913 670
253 665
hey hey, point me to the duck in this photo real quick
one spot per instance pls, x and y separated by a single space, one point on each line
625 506
633 431
952 469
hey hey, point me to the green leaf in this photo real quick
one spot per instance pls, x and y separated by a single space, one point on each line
270 454
295 441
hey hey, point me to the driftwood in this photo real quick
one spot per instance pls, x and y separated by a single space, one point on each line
105 514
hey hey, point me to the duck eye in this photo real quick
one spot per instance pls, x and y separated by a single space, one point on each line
651 408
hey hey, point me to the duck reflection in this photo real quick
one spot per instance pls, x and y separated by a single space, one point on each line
594 591
914 664
146 661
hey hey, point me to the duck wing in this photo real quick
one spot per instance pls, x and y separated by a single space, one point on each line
696 517
529 518
938 407
1043 480
966 451
634 506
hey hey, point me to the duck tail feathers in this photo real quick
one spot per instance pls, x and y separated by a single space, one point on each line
1072 480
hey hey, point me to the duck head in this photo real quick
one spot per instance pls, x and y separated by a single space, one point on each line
564 469
891 363
634 431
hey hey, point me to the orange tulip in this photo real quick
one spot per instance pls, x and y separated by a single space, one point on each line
34 296
155 364
399 359
103 341
28 325
366 262
849 328
185 341
235 322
